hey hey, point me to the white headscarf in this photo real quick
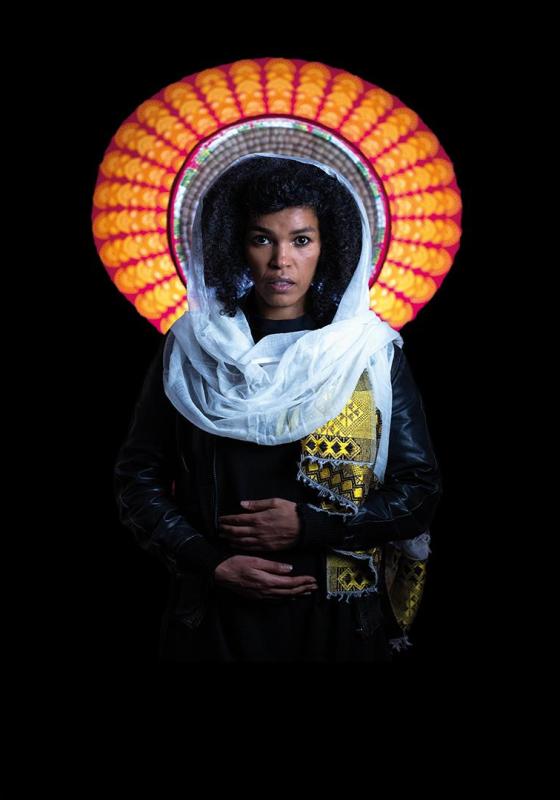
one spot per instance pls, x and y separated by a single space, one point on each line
287 384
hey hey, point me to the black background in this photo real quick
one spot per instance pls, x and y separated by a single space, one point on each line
119 592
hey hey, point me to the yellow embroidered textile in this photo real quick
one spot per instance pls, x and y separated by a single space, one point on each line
337 459
405 579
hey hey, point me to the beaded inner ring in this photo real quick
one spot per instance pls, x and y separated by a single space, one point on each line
276 135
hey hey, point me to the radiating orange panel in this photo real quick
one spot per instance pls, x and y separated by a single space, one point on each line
131 202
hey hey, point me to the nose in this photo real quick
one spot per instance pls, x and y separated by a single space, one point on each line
280 255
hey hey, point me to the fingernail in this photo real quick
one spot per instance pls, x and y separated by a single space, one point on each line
287 566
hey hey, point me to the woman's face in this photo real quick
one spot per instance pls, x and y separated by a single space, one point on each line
283 245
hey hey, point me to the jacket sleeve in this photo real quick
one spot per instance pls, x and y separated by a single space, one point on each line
143 477
403 506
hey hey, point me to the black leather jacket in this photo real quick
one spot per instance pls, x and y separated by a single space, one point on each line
171 508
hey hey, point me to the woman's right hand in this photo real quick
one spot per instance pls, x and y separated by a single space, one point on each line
260 578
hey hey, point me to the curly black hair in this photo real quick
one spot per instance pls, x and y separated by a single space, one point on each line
264 185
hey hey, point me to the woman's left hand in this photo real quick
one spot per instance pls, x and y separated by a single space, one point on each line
271 524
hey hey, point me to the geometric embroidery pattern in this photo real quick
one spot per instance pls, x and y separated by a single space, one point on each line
336 459
346 439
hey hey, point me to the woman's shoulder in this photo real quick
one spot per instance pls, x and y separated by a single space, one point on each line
394 355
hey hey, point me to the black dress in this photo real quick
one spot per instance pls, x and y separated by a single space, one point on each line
300 628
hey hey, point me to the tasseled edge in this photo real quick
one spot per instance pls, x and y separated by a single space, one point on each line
361 557
372 588
340 596
400 643
335 461
324 491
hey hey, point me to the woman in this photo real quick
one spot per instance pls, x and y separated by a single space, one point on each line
279 455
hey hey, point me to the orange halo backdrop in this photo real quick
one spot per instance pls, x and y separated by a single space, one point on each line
139 168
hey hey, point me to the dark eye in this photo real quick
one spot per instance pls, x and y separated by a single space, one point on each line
304 237
258 236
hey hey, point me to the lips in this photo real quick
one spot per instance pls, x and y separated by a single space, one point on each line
281 280
280 286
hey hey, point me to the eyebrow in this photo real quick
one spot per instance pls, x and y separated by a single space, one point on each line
292 233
